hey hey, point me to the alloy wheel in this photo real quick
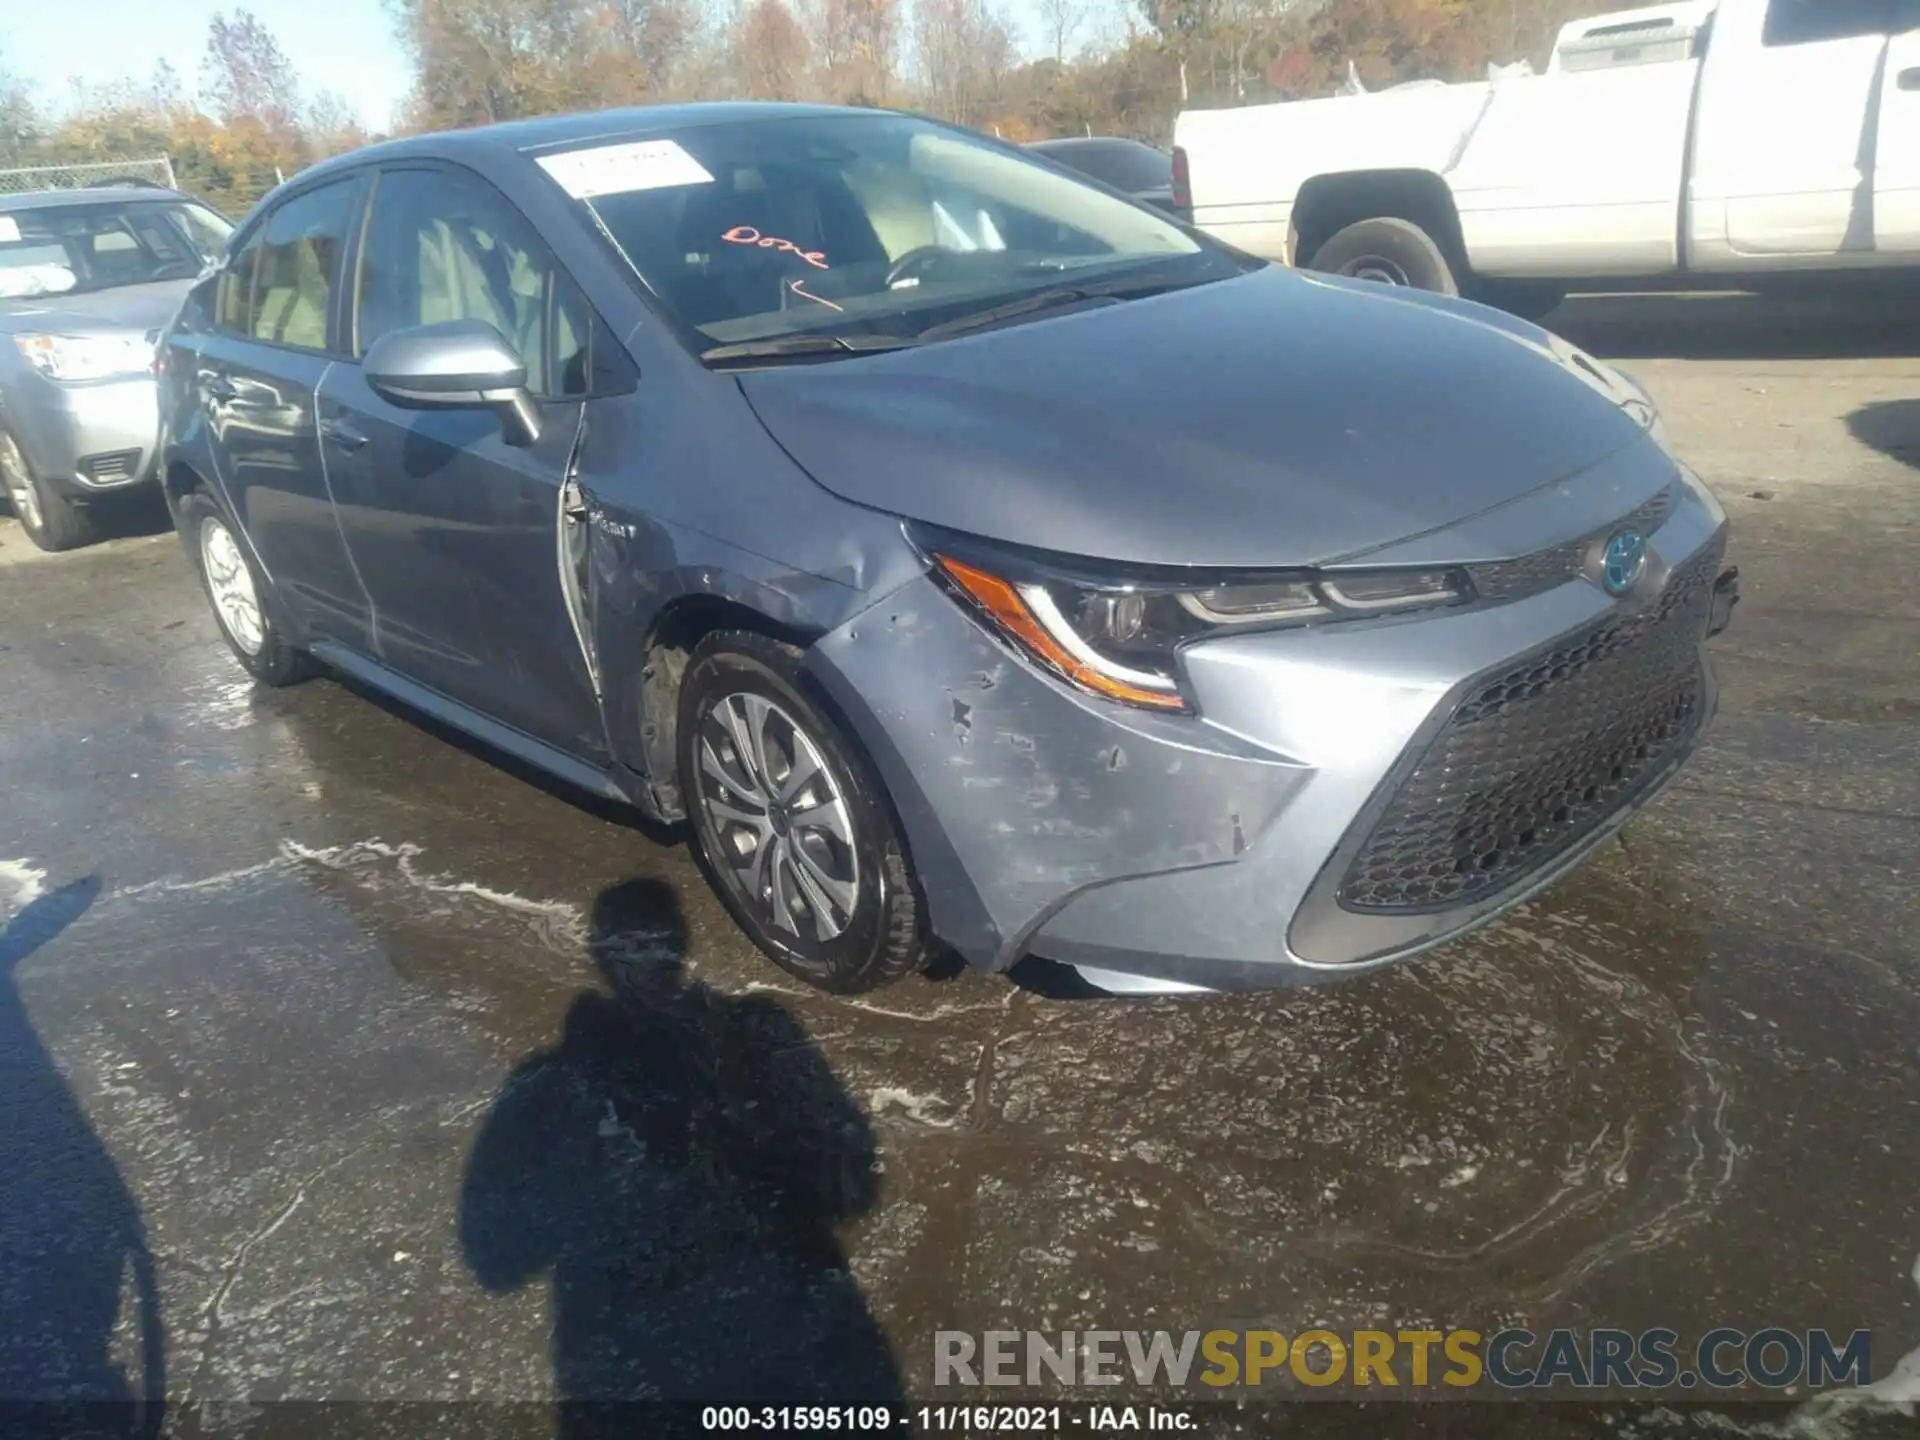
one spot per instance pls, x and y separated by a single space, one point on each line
230 584
19 487
779 814
1378 269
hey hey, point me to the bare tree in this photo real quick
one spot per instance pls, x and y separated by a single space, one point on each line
963 51
247 75
854 47
770 52
19 120
332 124
1060 20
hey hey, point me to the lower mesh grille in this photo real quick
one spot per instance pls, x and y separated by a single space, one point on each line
1538 756
111 465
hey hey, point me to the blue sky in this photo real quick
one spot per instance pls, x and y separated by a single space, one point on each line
341 45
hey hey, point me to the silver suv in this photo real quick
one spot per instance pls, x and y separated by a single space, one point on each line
87 280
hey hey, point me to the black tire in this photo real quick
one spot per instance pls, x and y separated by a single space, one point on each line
881 935
272 659
1391 250
53 521
1529 299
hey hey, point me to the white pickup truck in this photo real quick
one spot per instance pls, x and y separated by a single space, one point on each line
1736 140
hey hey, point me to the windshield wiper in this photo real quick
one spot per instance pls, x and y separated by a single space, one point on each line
782 346
1125 287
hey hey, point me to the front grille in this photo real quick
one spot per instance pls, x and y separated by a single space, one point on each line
103 469
1539 755
1544 569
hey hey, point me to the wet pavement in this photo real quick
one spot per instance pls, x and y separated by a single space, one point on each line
339 1060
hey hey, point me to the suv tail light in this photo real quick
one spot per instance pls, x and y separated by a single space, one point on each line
1182 184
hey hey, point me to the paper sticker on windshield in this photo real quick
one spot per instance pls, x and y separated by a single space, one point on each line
9 229
616 169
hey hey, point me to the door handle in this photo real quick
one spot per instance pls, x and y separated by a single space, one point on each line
342 434
217 386
1909 78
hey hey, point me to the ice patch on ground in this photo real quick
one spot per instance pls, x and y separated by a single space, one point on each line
921 1109
23 881
378 865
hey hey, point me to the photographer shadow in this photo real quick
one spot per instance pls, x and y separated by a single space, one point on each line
72 1240
676 1166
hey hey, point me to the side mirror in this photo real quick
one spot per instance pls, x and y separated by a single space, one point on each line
457 364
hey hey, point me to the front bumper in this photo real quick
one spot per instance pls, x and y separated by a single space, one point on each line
1208 852
88 437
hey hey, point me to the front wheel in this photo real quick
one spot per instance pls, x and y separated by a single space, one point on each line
52 520
790 823
1391 251
242 603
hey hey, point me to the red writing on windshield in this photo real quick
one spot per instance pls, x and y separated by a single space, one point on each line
747 235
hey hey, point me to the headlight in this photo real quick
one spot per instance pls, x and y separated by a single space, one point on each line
87 357
1118 637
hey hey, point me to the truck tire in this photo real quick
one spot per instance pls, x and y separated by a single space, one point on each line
1390 250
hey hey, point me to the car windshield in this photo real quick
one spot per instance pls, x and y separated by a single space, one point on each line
97 245
863 225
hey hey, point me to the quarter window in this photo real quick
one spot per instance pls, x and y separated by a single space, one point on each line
1804 22
447 246
288 284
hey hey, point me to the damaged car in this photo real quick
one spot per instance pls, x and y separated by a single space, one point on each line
973 558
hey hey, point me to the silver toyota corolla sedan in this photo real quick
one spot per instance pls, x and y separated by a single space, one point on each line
971 556
87 280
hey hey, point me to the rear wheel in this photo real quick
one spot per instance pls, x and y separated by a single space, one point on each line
1391 251
52 520
789 822
242 602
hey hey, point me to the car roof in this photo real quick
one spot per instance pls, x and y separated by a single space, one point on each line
557 131
92 195
1087 142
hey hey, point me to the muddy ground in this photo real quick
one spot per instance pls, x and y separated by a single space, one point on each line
341 1061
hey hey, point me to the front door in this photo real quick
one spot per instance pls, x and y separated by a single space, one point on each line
258 371
456 533
1786 127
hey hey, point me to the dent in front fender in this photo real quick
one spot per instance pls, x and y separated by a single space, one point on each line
1016 794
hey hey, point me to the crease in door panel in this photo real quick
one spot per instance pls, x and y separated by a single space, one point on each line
333 509
1859 234
570 527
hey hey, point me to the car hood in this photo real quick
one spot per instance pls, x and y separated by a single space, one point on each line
124 307
1269 420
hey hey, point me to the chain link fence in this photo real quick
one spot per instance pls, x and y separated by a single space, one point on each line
157 171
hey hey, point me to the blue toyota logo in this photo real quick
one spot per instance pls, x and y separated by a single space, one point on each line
1622 561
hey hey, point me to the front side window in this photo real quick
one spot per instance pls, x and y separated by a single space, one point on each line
1803 22
757 229
443 245
99 245
295 265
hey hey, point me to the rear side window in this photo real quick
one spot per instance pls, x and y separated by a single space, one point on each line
1117 163
1803 22
443 245
280 287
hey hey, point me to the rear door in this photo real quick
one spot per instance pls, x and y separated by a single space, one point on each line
1577 172
458 535
1896 163
276 331
1787 124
